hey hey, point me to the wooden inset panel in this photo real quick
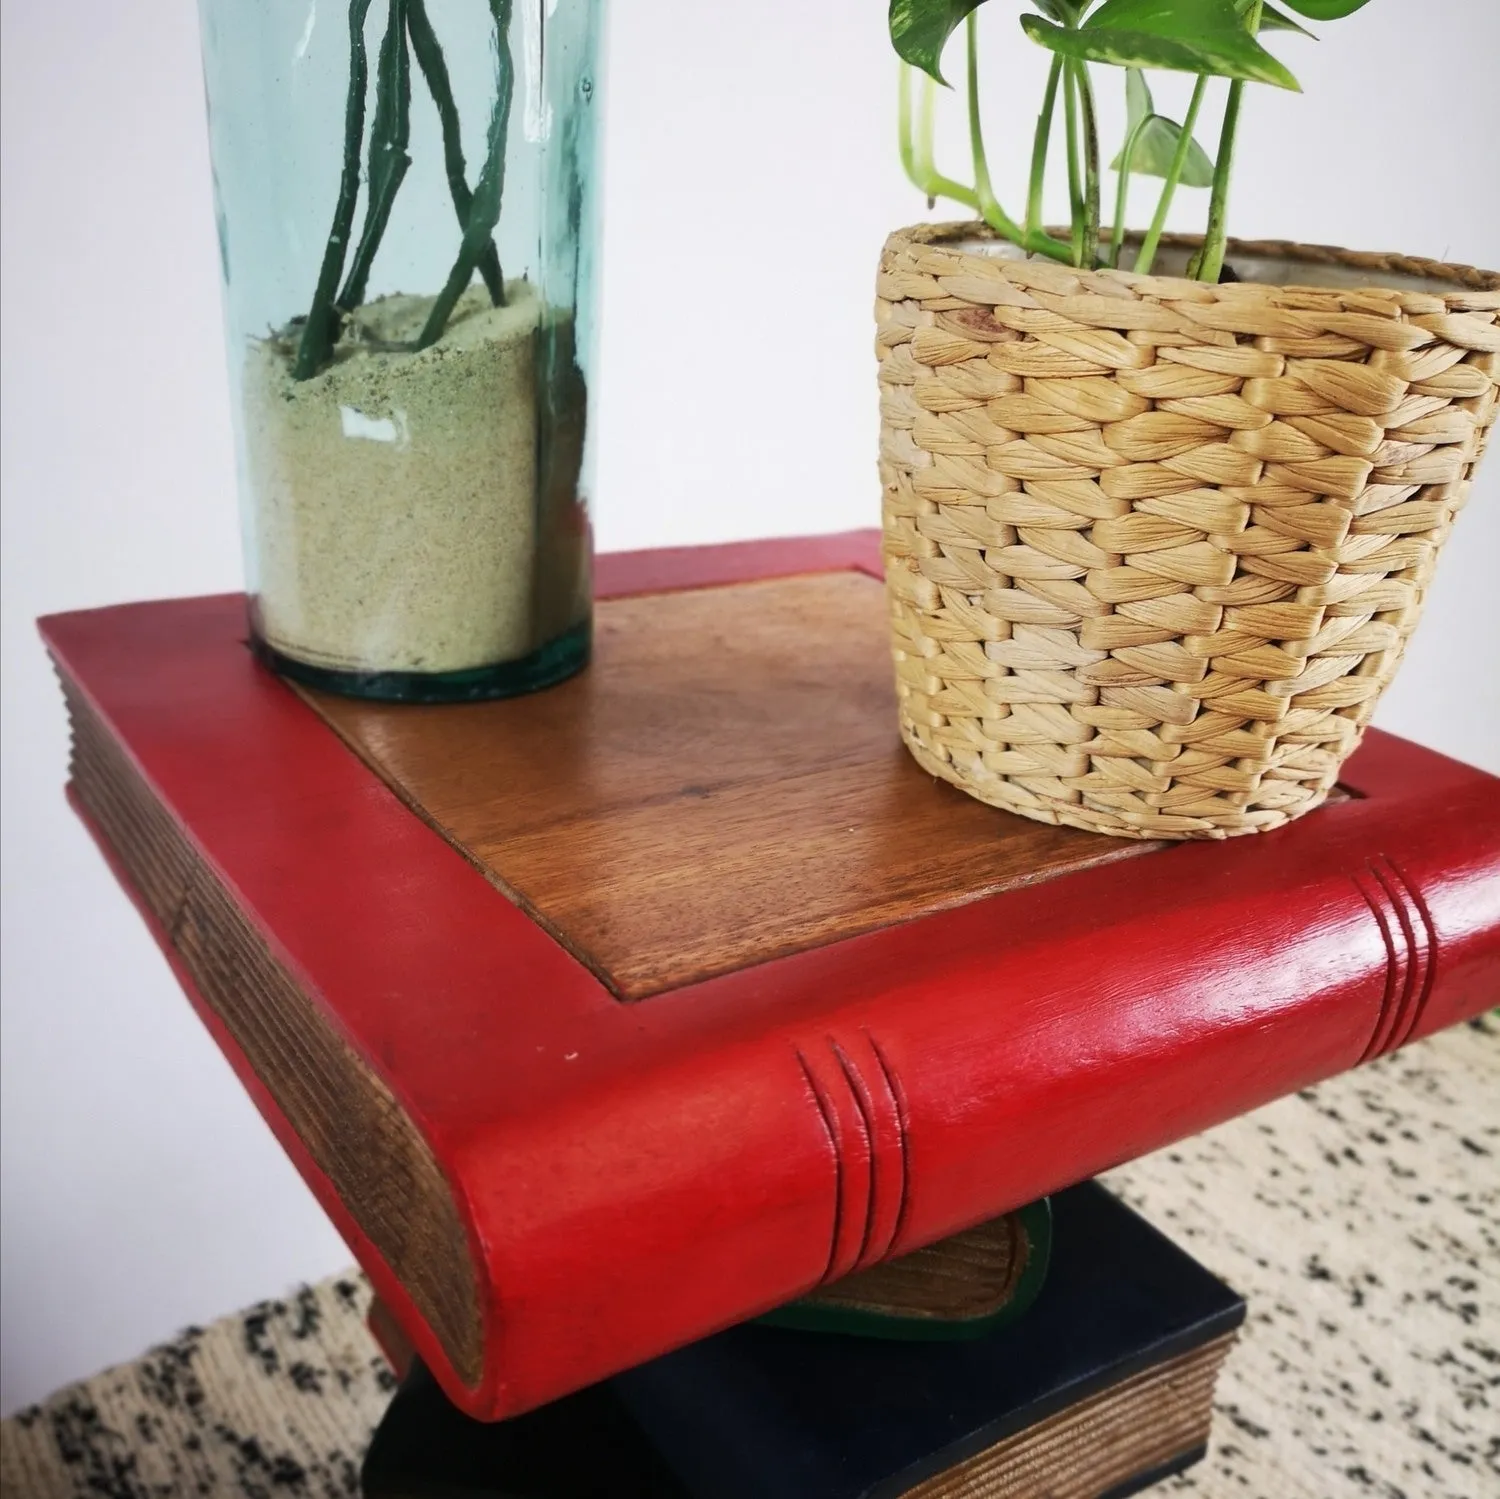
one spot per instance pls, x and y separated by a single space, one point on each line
724 785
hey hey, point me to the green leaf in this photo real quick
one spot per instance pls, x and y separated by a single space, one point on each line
1184 36
1156 148
1063 11
1156 145
920 29
1272 19
1327 10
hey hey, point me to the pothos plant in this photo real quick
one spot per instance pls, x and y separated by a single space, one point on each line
1210 39
408 33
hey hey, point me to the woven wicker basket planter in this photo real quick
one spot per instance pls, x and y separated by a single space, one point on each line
1154 548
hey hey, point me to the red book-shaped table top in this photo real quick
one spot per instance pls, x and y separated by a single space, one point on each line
604 1018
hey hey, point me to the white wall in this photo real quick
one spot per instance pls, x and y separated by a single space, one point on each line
751 181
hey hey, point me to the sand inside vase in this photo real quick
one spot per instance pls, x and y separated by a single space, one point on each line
395 493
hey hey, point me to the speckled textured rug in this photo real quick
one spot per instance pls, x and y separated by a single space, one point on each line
1361 1219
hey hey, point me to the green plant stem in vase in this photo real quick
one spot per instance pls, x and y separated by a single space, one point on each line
413 443
429 55
320 330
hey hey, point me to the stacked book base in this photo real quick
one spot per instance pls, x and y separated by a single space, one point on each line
573 1104
1102 1387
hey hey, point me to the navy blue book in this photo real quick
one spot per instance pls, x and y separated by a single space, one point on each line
582 1447
1104 1387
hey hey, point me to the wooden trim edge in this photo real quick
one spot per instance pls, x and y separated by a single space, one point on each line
353 1128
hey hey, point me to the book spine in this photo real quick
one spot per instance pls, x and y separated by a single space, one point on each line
906 1095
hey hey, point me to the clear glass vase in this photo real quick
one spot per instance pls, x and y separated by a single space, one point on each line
406 198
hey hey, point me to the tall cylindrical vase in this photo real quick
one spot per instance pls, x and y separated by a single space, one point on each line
406 204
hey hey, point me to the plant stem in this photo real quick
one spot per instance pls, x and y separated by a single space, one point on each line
915 142
927 177
390 134
1039 150
903 124
1090 122
994 215
484 212
989 207
1122 194
1075 183
429 55
320 330
1043 244
1208 263
1147 256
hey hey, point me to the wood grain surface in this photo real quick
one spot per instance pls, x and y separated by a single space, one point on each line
970 1275
724 786
345 1115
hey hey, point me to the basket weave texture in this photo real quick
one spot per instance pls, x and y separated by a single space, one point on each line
1154 548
